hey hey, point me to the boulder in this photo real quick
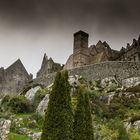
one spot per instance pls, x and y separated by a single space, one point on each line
4 128
131 84
35 136
23 131
136 125
30 94
109 84
73 80
43 105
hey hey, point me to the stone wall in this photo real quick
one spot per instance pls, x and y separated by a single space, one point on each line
14 78
121 70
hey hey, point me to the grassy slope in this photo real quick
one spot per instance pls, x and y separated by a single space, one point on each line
13 136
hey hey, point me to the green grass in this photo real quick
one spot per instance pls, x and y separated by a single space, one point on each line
13 136
25 115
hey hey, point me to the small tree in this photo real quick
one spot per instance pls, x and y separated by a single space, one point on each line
88 119
79 117
58 123
83 129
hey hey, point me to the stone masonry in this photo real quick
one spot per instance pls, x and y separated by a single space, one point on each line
48 66
118 69
84 55
14 78
95 62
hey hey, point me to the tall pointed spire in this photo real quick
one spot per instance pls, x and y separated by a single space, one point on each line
44 62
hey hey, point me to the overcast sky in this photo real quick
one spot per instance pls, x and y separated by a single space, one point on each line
30 28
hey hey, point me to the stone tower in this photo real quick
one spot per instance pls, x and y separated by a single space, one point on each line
80 50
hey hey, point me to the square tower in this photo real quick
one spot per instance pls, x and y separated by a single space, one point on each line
80 50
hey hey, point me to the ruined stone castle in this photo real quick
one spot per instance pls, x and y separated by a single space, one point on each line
92 62
85 55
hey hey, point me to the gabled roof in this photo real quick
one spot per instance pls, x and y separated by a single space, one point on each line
17 65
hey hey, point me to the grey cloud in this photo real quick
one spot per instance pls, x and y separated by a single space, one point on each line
39 12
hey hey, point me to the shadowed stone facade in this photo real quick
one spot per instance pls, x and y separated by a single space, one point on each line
14 78
131 52
48 66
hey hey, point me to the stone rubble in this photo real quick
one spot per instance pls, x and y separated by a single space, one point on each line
131 84
4 129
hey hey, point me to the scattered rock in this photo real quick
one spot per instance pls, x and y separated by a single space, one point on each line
110 97
73 80
131 84
23 131
4 128
109 84
136 125
35 136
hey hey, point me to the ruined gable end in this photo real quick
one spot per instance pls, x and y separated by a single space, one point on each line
15 78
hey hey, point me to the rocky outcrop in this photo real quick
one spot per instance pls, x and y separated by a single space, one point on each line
29 133
30 94
136 125
43 105
109 84
131 84
22 129
128 124
4 129
35 136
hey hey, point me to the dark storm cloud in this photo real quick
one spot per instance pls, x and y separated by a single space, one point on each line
105 13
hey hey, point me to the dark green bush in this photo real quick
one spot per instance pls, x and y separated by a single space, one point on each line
39 119
5 100
4 103
19 104
16 104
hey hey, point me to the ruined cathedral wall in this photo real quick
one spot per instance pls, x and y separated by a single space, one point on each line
119 69
69 63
